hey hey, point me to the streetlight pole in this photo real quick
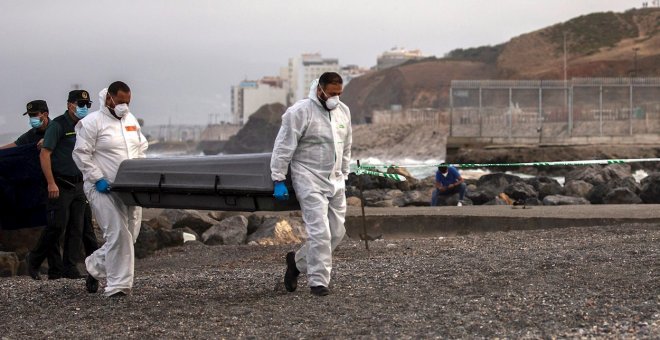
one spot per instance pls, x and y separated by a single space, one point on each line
635 49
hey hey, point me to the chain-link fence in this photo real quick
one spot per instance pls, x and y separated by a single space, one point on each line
553 109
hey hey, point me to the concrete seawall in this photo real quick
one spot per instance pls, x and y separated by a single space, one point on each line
446 221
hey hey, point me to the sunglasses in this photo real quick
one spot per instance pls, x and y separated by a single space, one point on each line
83 104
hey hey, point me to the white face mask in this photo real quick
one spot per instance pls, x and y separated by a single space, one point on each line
332 102
121 110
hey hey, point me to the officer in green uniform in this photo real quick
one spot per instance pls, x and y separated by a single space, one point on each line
68 209
37 110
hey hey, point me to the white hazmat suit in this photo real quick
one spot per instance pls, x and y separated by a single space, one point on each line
317 144
102 143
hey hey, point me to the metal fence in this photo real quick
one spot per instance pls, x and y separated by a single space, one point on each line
555 108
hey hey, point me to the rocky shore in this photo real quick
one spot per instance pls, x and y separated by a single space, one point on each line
611 184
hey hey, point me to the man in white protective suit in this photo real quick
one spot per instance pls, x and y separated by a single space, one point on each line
105 138
315 139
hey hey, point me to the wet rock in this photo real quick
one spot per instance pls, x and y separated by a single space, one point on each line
409 184
563 200
415 198
278 230
8 264
520 191
577 188
479 197
149 239
545 186
199 222
232 230
494 184
147 242
254 221
597 193
621 196
650 190
597 175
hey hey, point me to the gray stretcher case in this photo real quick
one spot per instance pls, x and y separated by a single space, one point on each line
228 183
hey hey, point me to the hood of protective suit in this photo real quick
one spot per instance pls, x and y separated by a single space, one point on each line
312 93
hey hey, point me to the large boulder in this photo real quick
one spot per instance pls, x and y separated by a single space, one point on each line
650 191
193 219
479 197
596 175
577 188
416 198
149 239
520 191
545 186
598 193
563 200
621 195
230 231
371 197
8 264
278 230
493 184
409 184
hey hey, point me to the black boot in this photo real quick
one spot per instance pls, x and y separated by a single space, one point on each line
292 272
320 290
34 272
91 284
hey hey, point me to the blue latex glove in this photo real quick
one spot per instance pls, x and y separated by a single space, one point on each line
281 193
103 186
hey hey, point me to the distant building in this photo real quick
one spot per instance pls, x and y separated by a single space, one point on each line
350 72
248 96
305 68
397 56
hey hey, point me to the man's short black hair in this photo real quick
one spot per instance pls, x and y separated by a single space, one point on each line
118 86
330 78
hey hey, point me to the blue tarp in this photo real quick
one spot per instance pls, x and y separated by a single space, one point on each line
23 189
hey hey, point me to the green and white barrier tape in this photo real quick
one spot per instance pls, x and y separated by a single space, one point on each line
394 177
365 167
368 169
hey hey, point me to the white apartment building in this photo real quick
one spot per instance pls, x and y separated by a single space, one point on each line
397 56
249 95
304 69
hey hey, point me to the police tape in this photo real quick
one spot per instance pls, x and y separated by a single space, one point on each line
394 177
364 167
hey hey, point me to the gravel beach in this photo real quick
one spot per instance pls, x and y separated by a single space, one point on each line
601 282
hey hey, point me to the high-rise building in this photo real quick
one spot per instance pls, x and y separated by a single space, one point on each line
249 95
304 69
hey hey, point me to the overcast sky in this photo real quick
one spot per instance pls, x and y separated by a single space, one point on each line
181 57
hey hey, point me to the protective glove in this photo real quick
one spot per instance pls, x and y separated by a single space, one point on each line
281 193
103 186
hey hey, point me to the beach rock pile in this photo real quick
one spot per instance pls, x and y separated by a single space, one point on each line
224 228
611 184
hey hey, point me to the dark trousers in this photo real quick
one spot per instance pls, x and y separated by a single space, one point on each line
68 213
461 189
